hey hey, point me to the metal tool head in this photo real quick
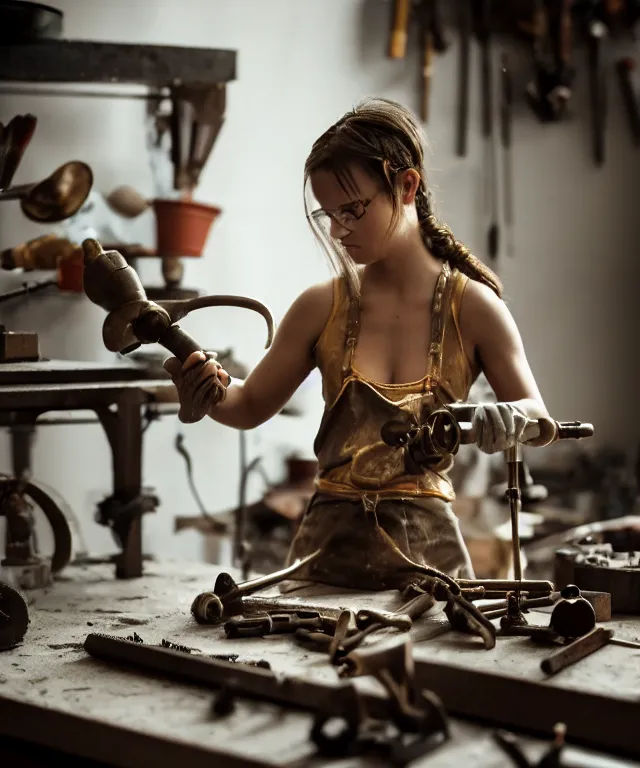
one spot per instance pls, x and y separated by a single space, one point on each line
14 617
112 284
573 616
60 195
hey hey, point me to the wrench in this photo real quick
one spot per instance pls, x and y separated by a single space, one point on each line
278 624
226 598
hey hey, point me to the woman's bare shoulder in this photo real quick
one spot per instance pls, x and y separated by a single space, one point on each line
313 305
480 303
487 322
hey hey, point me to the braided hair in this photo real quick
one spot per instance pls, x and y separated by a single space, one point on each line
384 138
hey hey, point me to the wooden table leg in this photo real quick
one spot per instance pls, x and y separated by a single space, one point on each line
124 509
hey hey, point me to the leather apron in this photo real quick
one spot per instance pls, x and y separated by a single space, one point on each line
372 520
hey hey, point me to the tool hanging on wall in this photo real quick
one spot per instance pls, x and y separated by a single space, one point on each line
625 68
429 20
548 27
483 24
631 13
598 34
465 23
506 122
613 14
399 29
432 41
549 92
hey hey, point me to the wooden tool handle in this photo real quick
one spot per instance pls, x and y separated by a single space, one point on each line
565 32
427 69
613 7
575 651
624 69
398 39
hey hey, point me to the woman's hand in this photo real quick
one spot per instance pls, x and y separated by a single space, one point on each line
201 383
498 426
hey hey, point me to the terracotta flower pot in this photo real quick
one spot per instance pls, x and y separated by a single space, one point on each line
182 227
70 272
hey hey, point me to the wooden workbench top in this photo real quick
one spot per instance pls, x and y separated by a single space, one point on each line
130 719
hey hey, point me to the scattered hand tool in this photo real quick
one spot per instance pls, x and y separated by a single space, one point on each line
226 598
576 650
572 616
550 759
391 664
440 434
443 431
553 757
276 623
111 283
342 633
351 629
362 713
577 646
572 625
14 617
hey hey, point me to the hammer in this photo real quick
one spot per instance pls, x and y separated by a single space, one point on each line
111 283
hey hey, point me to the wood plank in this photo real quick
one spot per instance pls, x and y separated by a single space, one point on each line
594 720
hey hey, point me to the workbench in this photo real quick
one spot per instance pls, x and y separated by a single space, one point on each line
116 393
53 694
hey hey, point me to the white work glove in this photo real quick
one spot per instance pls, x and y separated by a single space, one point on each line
198 383
498 426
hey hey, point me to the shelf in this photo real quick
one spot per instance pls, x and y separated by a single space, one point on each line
86 61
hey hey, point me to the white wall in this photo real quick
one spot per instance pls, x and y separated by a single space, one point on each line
302 63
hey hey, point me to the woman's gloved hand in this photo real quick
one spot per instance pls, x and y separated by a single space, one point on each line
498 426
201 383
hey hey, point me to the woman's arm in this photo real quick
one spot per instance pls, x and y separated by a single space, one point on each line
486 321
287 363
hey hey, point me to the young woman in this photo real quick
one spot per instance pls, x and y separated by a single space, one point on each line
405 328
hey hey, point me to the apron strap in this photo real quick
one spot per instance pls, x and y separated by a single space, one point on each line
351 334
434 362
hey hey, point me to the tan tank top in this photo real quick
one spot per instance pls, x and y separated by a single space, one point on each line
352 458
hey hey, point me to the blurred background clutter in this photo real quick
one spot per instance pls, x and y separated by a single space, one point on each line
190 164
